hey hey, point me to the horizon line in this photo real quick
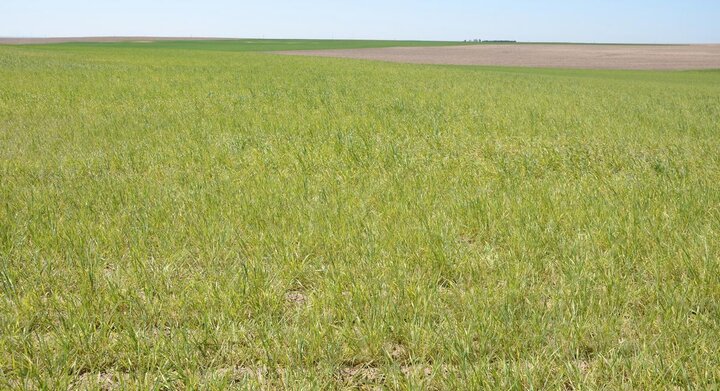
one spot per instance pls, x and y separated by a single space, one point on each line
228 38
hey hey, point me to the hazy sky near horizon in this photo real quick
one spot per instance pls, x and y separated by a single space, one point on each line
641 21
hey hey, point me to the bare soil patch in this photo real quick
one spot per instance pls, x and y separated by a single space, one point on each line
296 297
640 57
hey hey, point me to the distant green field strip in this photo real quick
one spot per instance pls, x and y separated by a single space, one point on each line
253 45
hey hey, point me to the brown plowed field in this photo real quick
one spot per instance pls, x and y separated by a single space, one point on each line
658 57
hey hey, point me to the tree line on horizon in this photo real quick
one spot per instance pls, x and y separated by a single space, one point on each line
489 41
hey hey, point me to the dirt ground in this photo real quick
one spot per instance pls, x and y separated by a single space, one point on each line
648 57
31 41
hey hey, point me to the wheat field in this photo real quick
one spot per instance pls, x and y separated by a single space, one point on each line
177 218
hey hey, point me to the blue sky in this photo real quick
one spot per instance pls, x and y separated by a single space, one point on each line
659 21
